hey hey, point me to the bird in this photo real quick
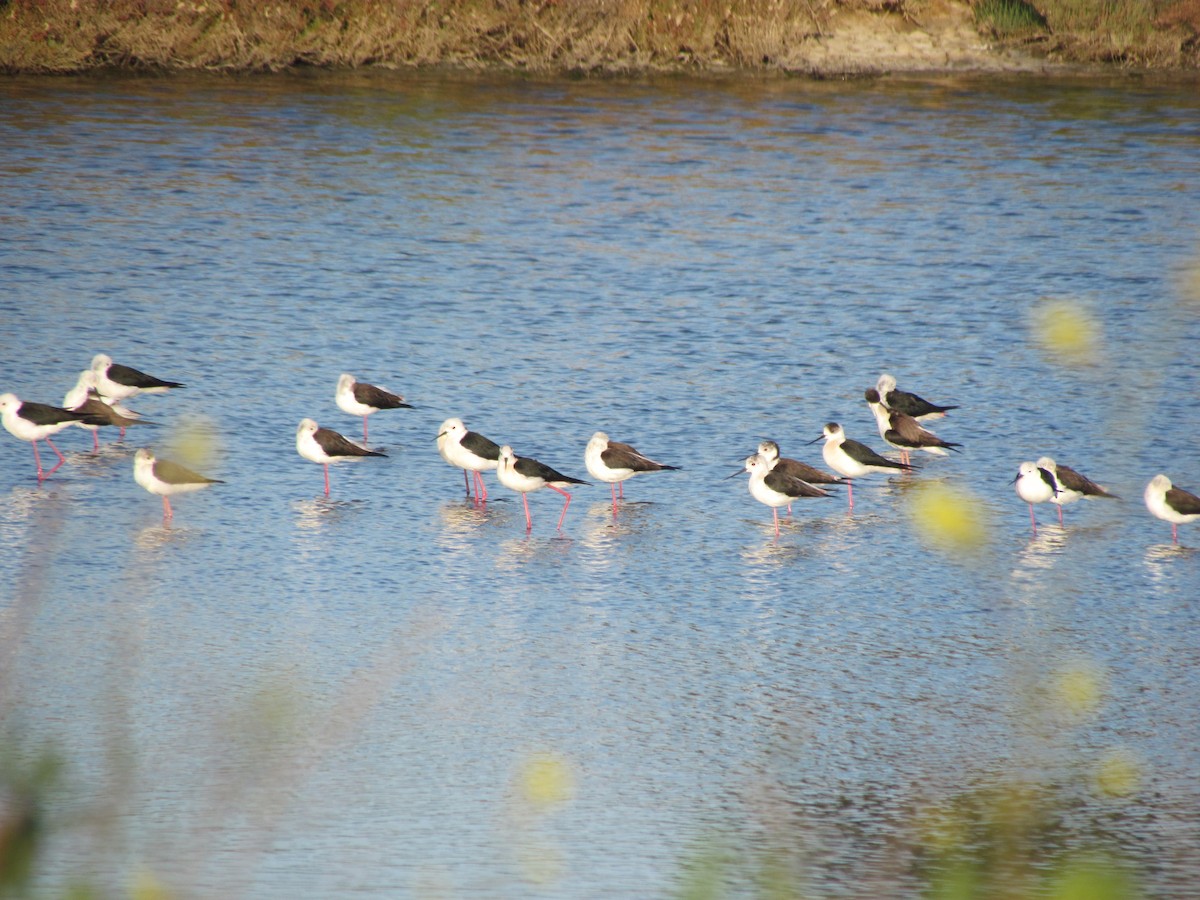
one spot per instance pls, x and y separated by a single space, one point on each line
117 382
469 451
359 399
775 488
613 462
1035 485
903 431
35 422
524 475
1171 504
909 404
769 450
321 445
850 459
84 398
1071 485
166 478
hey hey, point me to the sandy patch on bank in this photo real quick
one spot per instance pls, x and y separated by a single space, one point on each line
940 37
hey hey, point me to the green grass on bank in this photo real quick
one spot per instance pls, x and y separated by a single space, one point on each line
1138 32
570 36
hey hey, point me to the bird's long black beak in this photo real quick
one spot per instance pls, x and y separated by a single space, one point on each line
740 471
819 437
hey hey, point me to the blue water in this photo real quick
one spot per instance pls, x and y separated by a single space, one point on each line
279 694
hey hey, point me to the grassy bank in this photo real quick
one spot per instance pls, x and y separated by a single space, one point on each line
592 36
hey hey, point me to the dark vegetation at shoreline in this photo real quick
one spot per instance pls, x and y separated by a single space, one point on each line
593 36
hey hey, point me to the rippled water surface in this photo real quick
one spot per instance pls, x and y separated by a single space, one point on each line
391 692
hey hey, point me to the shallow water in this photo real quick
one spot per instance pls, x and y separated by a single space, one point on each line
393 693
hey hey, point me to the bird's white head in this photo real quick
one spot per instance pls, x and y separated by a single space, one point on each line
885 385
1160 483
306 426
757 465
833 432
345 382
1048 464
100 362
768 450
453 428
9 402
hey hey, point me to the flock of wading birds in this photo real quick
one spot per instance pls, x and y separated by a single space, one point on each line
96 401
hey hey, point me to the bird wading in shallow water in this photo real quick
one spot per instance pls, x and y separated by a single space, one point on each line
321 445
35 422
469 451
359 399
774 488
1171 504
903 431
1035 485
166 478
1071 485
614 463
525 475
850 459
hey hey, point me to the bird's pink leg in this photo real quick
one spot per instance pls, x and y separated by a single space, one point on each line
850 493
467 482
480 488
96 441
614 499
364 429
563 514
326 479
1032 519
1060 517
1174 534
775 513
168 514
621 485
528 518
38 460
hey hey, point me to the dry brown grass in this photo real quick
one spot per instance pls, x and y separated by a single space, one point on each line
529 35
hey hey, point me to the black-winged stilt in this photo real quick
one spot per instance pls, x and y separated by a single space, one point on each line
1171 504
909 404
324 446
1035 485
1072 485
524 475
903 431
469 451
166 478
773 487
851 459
117 382
614 462
360 399
35 422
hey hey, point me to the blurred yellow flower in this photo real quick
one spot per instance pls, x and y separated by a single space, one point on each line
546 779
947 517
1067 332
